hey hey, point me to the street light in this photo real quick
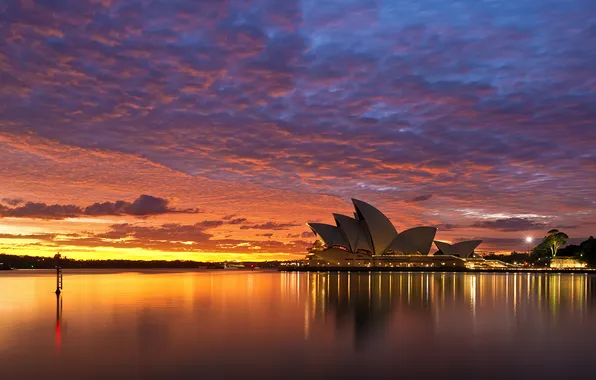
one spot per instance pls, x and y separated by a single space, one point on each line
529 241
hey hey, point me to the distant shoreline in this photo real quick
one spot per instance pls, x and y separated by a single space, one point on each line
43 262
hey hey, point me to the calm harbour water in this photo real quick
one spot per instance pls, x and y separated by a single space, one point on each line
223 324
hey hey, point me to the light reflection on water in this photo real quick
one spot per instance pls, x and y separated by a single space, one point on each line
220 324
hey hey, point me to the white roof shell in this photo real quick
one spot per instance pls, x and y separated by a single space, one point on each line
331 235
354 232
417 240
380 229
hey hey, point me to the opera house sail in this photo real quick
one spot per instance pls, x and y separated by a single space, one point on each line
370 239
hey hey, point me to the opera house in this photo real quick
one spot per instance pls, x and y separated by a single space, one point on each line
369 239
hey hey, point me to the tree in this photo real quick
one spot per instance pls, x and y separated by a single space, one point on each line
588 249
571 250
552 242
540 253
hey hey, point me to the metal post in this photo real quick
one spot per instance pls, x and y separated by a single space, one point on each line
58 274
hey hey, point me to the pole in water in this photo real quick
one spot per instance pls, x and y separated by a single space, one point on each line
58 320
58 274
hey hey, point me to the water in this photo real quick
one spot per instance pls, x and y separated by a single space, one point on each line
224 324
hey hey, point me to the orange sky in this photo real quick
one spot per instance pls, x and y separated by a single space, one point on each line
40 169
236 220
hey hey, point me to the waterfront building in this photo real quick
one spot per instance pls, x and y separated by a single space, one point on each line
567 263
369 239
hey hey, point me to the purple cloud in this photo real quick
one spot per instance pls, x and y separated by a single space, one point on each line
420 198
487 104
145 205
511 224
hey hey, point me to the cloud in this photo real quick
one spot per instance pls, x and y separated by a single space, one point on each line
41 211
166 233
148 205
231 219
420 198
209 223
236 221
12 201
172 237
483 107
29 236
447 226
566 227
145 205
269 226
510 224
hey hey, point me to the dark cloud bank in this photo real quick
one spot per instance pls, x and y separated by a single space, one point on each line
145 205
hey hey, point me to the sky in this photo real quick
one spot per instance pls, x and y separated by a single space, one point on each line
215 130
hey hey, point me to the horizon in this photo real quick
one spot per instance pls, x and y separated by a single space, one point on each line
214 131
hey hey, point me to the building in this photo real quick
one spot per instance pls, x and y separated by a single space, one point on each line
369 239
567 263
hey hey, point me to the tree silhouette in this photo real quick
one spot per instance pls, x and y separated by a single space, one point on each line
552 242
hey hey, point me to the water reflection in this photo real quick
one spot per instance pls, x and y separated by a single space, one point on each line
446 303
296 325
58 321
